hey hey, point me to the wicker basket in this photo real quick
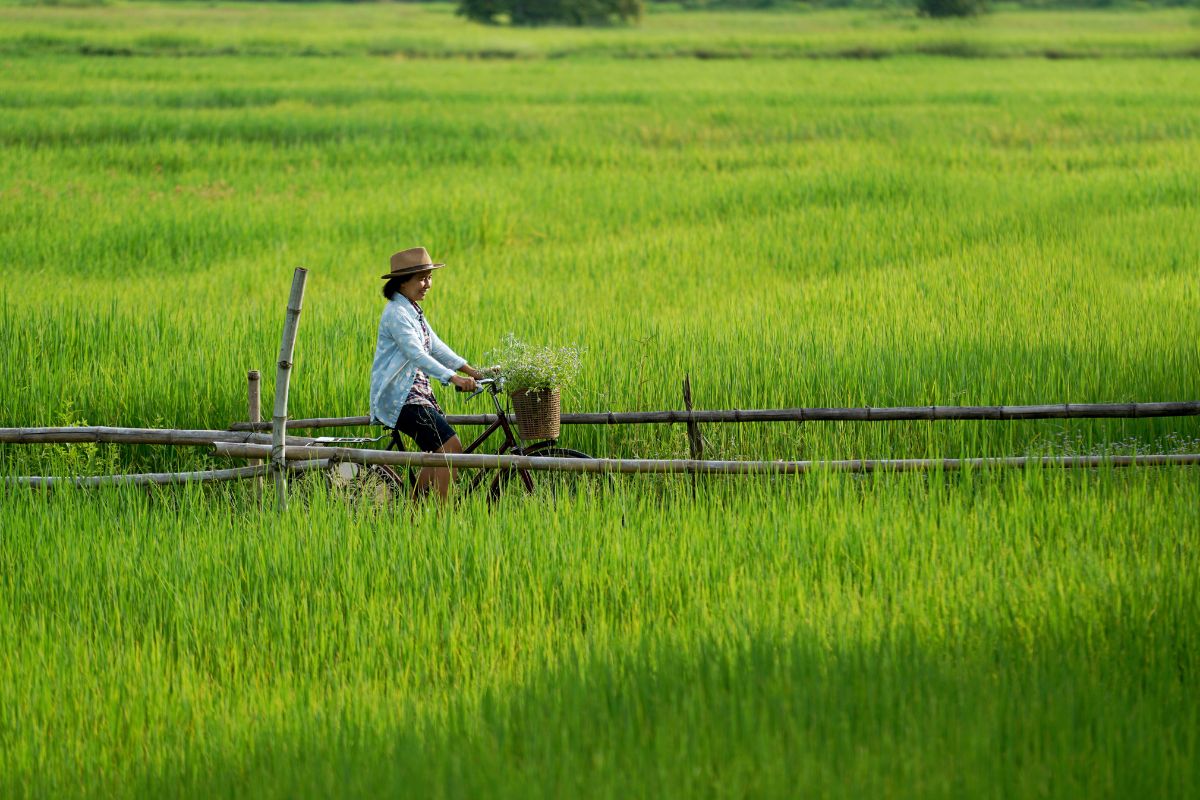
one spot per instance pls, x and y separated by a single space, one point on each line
539 413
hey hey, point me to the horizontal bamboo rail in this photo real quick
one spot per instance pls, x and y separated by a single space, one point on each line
97 433
862 414
159 478
348 422
661 466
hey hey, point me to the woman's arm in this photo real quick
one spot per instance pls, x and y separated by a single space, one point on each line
467 369
442 352
407 335
452 360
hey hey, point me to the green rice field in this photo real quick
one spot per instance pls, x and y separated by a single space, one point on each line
834 208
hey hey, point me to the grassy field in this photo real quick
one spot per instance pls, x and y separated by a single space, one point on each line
789 230
1020 635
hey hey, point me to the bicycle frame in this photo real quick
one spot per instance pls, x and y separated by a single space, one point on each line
510 444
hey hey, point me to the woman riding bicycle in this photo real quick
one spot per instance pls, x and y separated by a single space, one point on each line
407 354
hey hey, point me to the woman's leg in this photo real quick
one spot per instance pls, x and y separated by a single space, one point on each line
428 428
439 478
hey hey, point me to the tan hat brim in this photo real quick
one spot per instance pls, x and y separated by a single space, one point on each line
411 270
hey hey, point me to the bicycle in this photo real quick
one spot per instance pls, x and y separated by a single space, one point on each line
381 483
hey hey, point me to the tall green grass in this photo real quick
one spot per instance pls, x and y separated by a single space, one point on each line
989 634
788 231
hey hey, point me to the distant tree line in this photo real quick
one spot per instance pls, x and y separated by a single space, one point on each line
551 12
812 4
603 12
611 12
751 4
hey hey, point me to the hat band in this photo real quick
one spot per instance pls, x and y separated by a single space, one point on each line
398 272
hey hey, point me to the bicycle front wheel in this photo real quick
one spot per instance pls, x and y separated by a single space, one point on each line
554 483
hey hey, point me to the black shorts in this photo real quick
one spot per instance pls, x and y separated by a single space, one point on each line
425 426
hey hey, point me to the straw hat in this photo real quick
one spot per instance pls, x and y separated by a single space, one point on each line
406 262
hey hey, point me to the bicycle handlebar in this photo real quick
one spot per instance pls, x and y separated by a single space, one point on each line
484 384
496 380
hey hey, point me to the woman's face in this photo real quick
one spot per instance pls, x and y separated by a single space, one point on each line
416 287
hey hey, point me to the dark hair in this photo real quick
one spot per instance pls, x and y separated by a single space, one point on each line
393 285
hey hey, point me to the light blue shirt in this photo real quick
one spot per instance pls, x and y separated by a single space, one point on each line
399 353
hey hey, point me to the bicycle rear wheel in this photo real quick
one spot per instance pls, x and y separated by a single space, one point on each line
367 485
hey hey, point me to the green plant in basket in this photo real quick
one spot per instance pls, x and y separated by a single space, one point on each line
535 378
533 368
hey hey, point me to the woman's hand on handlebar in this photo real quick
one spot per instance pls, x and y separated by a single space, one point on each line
464 383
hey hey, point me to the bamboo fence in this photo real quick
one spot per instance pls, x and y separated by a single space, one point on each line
163 436
691 466
153 436
250 440
161 478
815 414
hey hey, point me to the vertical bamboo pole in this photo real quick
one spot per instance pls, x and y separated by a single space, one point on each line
282 376
695 441
254 414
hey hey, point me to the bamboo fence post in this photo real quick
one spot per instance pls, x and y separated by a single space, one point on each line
695 440
283 376
254 414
